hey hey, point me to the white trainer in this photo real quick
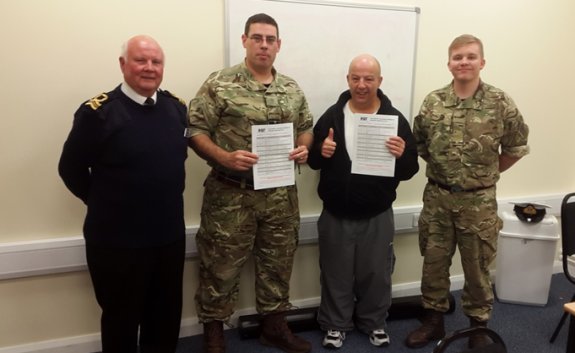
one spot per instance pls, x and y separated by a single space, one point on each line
333 339
379 338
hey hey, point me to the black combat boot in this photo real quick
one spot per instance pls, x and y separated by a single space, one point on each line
276 333
479 339
214 337
432 328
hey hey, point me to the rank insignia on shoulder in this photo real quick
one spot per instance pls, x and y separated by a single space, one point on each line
170 94
97 101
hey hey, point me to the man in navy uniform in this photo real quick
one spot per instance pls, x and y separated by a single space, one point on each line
124 158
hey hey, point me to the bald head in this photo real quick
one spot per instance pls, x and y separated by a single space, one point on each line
365 61
142 63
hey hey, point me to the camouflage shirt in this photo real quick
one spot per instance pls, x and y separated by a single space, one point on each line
230 101
461 139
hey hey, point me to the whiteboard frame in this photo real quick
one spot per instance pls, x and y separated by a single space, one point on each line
407 110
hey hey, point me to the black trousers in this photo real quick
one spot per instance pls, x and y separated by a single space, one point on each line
138 290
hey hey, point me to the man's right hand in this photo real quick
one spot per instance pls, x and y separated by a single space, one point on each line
328 145
239 160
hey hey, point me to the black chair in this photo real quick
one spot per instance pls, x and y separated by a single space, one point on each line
567 246
496 346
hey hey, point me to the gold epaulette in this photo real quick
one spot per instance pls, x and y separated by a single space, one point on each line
97 101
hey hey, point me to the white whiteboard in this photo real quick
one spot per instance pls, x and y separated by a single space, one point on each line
319 39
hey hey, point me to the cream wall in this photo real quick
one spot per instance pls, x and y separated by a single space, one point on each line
58 53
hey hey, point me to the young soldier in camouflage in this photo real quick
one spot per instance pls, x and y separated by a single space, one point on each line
236 219
468 133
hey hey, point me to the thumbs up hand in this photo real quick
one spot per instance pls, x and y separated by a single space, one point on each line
328 145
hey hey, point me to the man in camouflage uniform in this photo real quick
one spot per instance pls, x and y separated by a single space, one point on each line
468 133
236 219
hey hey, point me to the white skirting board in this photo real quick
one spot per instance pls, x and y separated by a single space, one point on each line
56 255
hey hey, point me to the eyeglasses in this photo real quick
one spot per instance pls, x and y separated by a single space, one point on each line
271 40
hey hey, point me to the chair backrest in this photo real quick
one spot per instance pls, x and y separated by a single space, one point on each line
497 346
568 232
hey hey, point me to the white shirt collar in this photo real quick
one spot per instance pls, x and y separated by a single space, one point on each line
133 95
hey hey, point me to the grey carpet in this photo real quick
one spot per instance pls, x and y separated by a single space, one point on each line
524 328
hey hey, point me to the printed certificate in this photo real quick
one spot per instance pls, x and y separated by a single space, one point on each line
370 155
273 143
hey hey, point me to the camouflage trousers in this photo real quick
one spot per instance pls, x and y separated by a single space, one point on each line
468 221
237 223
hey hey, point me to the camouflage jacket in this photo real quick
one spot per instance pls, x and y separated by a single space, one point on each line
230 101
461 139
